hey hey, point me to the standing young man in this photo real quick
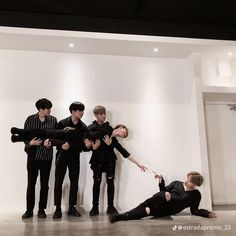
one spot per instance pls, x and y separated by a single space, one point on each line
39 157
69 157
104 159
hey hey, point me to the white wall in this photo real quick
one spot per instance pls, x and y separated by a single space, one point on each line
155 98
221 129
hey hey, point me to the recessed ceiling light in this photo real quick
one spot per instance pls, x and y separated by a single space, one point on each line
155 50
71 45
230 53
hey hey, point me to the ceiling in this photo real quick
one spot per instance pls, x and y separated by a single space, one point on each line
12 38
206 19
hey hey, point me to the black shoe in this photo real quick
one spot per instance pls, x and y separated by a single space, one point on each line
57 214
41 214
14 130
118 217
27 214
111 210
17 138
73 212
94 211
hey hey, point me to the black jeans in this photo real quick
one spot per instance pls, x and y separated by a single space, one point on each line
33 169
98 169
71 160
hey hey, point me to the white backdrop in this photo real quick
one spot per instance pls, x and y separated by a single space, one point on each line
155 98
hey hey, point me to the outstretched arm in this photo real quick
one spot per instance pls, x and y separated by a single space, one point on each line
194 209
135 161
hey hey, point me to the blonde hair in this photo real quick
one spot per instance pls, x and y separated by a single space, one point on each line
195 177
99 110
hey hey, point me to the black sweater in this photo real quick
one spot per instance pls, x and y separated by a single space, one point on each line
105 153
181 199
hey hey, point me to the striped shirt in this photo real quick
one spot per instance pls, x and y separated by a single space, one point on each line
33 122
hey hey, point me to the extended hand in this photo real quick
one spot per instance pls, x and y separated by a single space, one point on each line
142 167
212 215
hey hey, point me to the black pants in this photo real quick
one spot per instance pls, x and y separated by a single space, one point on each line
157 204
33 169
71 160
98 169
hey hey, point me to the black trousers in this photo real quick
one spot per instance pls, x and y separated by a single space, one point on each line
158 205
71 161
34 167
98 169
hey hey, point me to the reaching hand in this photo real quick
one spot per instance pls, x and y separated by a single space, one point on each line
212 215
142 167
107 140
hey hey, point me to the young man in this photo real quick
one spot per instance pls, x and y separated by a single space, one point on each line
171 200
68 156
104 159
39 157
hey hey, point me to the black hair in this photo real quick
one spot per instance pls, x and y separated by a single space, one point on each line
43 103
76 106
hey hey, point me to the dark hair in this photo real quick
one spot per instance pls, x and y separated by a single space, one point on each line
124 127
76 106
99 110
195 178
43 103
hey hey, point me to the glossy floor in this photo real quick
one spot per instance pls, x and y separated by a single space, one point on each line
182 224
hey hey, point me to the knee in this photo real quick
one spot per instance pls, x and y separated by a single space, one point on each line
110 179
167 196
148 210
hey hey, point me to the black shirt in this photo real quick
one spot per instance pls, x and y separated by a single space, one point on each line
181 199
76 140
33 122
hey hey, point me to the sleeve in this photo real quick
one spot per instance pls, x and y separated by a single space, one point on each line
27 143
167 188
194 207
119 147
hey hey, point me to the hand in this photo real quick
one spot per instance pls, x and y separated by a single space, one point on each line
157 175
47 143
87 143
69 128
65 146
142 167
36 142
96 144
107 140
167 196
212 215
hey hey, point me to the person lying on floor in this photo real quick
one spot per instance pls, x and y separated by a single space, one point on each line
171 200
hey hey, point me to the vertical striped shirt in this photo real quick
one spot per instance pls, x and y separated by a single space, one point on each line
33 122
